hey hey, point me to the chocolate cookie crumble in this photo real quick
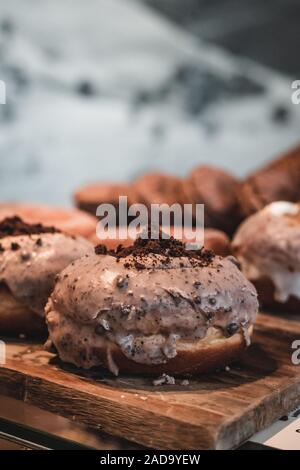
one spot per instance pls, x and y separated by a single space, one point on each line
15 246
15 226
167 248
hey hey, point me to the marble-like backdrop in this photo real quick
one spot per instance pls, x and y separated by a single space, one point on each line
108 89
266 31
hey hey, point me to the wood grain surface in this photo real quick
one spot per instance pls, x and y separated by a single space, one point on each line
216 411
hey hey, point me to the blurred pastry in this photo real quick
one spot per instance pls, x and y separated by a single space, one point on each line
89 197
217 190
31 255
277 181
151 308
267 246
217 241
214 188
160 188
72 221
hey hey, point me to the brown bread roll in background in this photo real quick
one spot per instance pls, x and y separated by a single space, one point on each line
89 197
277 181
217 190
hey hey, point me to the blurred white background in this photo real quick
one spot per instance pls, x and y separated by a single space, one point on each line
109 89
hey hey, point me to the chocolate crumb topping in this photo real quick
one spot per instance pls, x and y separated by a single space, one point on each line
168 248
15 246
25 256
232 328
121 282
15 226
101 250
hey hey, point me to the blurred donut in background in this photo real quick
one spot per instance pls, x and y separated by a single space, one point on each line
217 190
31 256
277 181
71 221
160 188
267 246
89 197
213 187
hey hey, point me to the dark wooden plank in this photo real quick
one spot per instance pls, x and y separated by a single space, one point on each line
219 410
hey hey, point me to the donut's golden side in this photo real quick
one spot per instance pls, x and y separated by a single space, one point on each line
193 357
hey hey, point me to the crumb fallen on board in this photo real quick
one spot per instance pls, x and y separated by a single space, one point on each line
164 379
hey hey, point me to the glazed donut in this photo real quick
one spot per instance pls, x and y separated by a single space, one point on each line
72 221
277 181
267 245
152 308
31 255
217 190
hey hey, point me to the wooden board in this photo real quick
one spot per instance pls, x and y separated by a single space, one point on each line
217 411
